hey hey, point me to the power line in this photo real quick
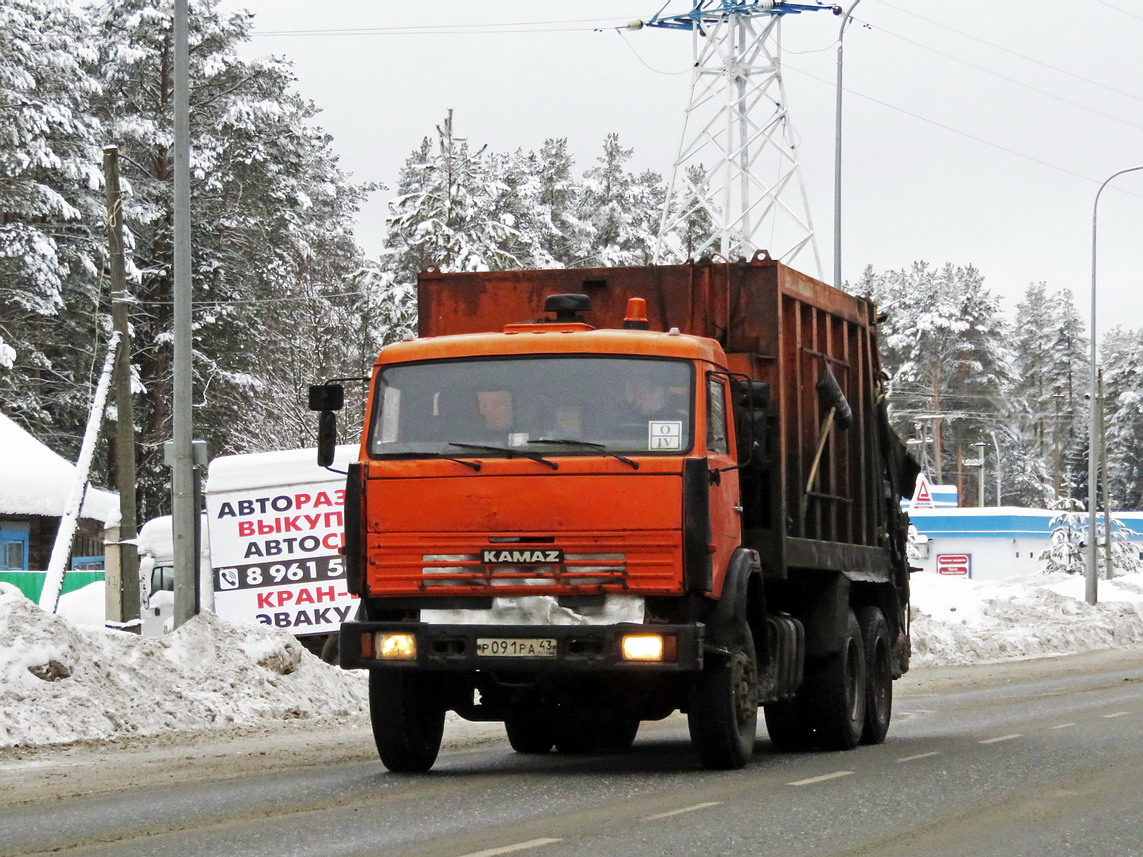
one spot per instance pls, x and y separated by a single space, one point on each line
452 29
200 304
960 133
1017 53
1012 80
1120 11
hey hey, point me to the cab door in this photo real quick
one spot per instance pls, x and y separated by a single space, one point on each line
725 501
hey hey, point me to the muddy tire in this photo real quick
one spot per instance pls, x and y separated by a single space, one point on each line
838 692
723 712
789 725
530 735
331 649
407 719
618 733
878 674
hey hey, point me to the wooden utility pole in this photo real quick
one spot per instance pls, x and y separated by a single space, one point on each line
122 594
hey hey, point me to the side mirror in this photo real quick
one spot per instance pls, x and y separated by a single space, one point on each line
327 397
327 438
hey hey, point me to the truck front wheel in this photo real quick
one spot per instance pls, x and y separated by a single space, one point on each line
533 735
723 712
407 718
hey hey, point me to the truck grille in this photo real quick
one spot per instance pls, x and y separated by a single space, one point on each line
579 569
614 561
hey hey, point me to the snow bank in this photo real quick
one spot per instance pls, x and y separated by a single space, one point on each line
957 621
61 682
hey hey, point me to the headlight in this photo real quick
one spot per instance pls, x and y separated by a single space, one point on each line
395 646
643 647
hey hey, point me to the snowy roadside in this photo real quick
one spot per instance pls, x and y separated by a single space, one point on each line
65 681
958 622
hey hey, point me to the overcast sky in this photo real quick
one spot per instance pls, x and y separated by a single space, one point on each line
975 133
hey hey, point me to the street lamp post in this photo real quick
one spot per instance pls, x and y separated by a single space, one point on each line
1092 584
837 154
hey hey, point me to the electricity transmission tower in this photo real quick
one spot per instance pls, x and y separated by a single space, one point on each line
735 187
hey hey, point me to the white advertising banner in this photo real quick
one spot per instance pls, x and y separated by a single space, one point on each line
276 557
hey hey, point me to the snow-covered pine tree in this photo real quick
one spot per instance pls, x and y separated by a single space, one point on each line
1065 551
1067 547
649 196
607 206
1026 452
271 214
440 216
982 374
918 345
943 345
553 203
1122 354
1068 374
697 224
50 221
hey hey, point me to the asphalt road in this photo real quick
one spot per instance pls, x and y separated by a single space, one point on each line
1042 767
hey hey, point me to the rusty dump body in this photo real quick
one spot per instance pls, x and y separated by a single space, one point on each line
526 551
775 325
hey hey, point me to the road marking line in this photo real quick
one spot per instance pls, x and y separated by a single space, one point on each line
508 849
1063 726
1118 714
1001 738
697 806
920 756
820 779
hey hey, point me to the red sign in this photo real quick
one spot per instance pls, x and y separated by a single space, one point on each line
922 495
954 564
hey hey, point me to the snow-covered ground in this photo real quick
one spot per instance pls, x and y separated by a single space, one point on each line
63 678
967 622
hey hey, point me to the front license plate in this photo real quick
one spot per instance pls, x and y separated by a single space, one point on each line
516 647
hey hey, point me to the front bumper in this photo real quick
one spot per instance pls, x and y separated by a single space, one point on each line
579 648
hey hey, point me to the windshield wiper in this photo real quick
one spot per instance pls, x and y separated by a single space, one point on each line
511 453
475 465
590 445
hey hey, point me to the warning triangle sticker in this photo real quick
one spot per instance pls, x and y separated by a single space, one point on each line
922 494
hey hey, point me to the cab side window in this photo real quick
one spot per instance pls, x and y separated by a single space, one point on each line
716 434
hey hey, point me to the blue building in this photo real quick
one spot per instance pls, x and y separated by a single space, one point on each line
989 543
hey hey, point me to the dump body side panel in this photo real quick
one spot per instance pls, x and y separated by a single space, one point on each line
823 485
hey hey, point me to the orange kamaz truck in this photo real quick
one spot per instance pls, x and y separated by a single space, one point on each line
590 498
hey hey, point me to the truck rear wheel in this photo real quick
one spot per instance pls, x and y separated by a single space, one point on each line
838 687
878 674
789 724
331 649
407 719
723 713
619 732
531 735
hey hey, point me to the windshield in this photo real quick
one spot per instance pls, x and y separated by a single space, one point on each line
564 405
